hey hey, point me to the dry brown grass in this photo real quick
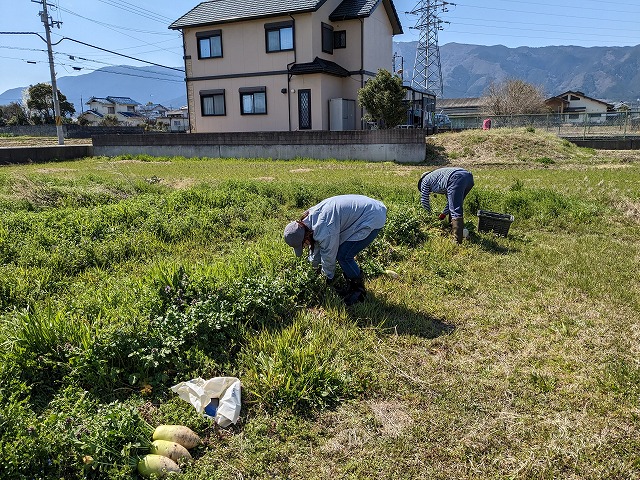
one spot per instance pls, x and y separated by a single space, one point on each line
508 146
40 141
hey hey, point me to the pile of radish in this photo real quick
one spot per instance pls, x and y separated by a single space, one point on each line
170 447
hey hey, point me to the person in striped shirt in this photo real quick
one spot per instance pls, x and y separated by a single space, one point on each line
455 183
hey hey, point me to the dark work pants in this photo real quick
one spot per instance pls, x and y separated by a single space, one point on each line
460 183
347 252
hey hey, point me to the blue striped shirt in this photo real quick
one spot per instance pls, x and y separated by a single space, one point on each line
436 182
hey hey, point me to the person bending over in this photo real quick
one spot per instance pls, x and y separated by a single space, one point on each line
336 230
453 182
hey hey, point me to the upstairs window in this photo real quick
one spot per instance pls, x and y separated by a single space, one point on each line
212 102
340 39
253 101
209 44
131 108
327 38
111 110
279 36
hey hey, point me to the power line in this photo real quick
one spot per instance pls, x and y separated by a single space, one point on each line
137 11
510 22
96 47
138 69
546 14
104 70
599 35
582 7
109 25
120 54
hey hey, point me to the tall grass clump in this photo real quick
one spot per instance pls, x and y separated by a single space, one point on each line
538 207
306 366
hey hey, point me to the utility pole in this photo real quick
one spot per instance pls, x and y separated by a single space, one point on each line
427 71
48 23
399 71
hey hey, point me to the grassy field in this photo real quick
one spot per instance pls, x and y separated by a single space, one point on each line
500 358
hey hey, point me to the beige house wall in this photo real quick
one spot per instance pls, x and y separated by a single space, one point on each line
378 35
323 88
245 63
243 50
589 105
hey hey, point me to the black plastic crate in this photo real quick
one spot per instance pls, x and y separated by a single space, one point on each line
494 222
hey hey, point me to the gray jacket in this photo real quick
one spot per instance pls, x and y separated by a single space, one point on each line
339 219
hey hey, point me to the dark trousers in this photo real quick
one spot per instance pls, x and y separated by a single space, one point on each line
347 252
460 183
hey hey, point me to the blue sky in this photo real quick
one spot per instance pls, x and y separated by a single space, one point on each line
139 30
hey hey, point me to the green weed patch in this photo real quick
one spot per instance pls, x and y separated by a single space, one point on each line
121 277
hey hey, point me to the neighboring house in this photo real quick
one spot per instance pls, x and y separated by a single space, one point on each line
577 107
461 106
283 65
622 106
152 111
175 120
123 108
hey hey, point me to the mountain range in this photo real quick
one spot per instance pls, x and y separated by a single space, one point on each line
606 73
142 84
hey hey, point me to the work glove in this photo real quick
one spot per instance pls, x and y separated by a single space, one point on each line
442 216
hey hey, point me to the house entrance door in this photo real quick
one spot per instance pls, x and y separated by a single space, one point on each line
304 109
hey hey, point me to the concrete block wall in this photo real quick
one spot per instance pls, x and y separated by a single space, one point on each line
50 153
68 131
398 145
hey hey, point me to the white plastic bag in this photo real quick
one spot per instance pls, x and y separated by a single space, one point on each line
217 398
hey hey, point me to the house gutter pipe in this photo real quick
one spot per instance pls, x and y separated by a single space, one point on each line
295 45
186 82
361 69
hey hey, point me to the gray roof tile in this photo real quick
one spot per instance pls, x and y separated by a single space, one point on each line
219 11
319 65
350 9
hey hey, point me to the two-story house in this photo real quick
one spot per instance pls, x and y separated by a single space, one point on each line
578 107
152 111
175 120
283 65
123 108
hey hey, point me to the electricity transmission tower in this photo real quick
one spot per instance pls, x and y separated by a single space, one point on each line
427 71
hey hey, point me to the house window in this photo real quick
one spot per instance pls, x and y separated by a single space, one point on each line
279 36
340 39
574 116
212 102
327 38
131 108
209 44
111 110
253 101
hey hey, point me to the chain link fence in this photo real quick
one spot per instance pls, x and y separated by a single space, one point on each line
577 125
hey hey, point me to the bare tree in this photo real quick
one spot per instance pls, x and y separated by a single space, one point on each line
514 97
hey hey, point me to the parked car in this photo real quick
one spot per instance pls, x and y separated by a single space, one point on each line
442 121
